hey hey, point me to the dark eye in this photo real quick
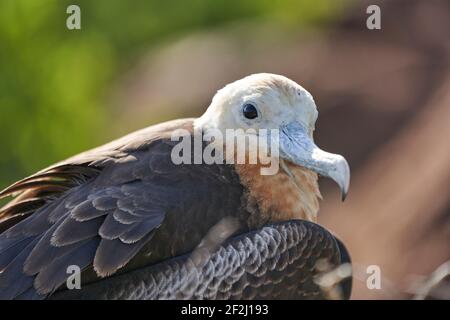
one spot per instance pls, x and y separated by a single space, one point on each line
250 111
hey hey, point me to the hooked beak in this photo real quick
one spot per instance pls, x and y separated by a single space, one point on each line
298 147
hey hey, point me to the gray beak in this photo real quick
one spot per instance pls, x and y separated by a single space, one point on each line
298 147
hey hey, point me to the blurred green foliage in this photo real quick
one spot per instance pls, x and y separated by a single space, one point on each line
53 81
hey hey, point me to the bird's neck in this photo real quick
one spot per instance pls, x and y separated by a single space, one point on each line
280 197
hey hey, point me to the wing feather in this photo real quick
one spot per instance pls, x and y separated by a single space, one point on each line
98 210
112 255
278 261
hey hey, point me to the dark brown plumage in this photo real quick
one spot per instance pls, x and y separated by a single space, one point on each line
114 203
277 261
126 205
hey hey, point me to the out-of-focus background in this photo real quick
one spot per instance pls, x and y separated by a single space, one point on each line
383 97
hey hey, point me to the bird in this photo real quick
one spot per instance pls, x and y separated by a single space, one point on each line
132 204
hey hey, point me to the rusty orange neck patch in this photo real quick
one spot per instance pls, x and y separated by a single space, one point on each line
280 197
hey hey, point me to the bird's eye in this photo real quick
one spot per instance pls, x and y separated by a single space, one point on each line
249 111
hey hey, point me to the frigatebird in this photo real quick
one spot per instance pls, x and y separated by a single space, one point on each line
128 210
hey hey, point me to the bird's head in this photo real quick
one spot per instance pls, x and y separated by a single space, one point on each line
269 101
